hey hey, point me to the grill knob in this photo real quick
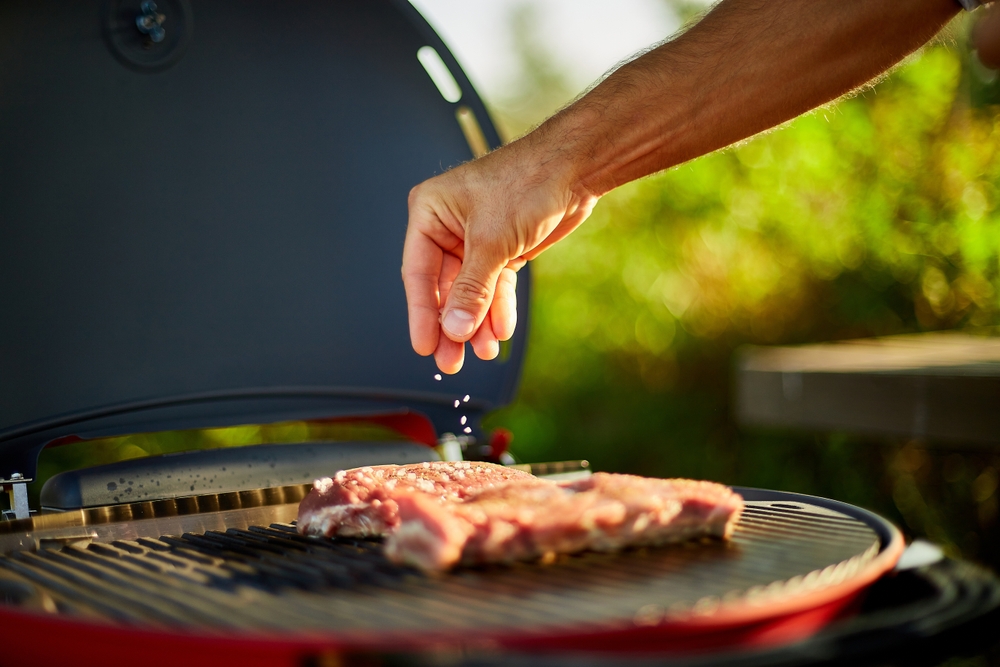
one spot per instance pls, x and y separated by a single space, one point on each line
148 35
149 22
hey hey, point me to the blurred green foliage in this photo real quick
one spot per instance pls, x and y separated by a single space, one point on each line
875 215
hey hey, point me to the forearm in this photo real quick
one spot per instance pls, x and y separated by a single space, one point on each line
746 67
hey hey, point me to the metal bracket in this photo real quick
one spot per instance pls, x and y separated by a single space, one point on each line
17 491
449 447
453 447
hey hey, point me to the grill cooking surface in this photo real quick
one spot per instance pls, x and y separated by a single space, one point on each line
269 577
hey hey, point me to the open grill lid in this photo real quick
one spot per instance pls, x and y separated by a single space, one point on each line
206 230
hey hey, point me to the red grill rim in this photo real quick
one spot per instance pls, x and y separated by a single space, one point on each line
741 626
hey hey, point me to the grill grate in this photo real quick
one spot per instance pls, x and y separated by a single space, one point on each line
272 578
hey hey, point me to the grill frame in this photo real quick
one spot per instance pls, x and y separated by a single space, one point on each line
744 626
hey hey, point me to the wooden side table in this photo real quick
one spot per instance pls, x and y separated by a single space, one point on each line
935 387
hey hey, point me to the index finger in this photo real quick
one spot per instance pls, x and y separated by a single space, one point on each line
422 260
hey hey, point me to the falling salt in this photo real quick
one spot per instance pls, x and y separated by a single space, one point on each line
437 376
457 403
467 429
466 399
464 419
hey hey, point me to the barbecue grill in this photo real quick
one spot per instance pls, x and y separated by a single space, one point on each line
202 209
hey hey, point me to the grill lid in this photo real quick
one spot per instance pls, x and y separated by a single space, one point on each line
206 230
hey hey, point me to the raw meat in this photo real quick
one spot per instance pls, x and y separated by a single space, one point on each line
437 515
526 519
361 502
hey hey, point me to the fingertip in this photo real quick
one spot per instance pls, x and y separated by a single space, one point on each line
504 320
424 331
485 343
423 340
422 350
449 356
487 350
503 313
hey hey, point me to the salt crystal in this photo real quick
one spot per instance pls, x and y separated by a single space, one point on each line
437 376
466 399
464 419
457 403
467 429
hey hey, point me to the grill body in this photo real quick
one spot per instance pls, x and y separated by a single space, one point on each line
204 232
793 564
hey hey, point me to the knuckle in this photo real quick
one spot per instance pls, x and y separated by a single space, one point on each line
415 193
470 291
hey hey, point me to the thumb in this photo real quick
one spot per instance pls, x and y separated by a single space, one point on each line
471 294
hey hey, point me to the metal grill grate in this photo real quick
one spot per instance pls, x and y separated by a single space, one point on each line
272 578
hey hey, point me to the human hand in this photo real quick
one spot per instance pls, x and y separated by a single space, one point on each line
746 67
986 37
470 230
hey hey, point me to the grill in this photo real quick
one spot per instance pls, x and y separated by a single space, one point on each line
244 573
202 212
272 578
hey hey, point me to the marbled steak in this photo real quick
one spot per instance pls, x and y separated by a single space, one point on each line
360 502
437 515
526 519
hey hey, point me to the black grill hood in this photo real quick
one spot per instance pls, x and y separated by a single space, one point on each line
207 230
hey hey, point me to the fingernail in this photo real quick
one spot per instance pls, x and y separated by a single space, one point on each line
458 323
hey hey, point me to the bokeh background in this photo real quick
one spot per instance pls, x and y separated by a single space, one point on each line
875 215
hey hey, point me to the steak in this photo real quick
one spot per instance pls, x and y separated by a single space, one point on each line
528 519
361 502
